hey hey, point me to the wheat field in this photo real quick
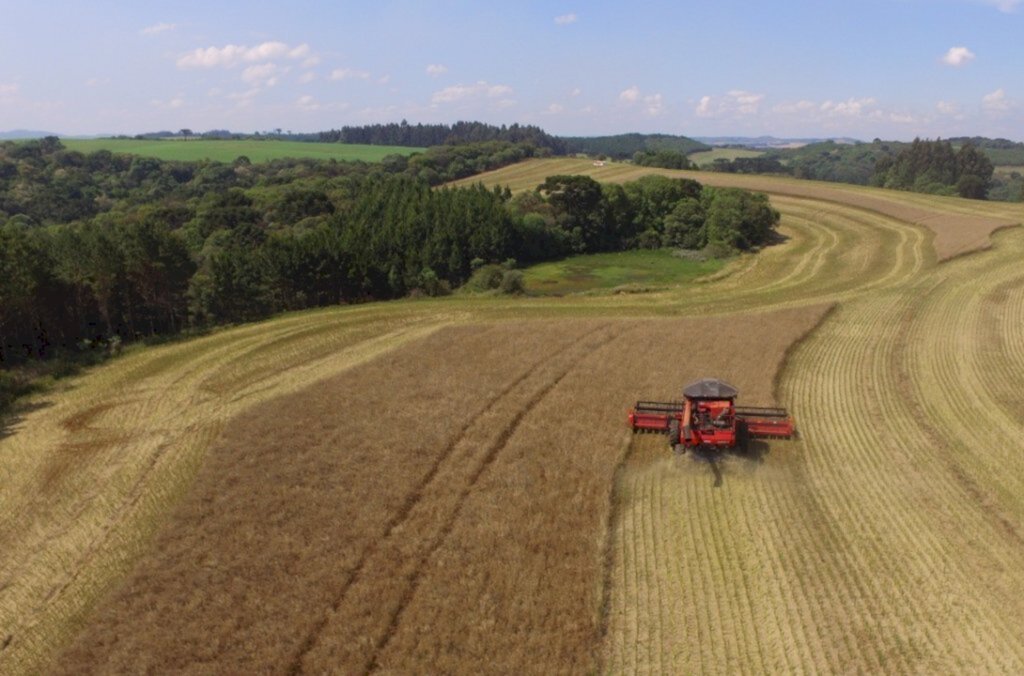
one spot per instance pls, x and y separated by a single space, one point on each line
887 537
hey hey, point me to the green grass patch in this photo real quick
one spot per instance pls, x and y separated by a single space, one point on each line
610 270
228 151
707 157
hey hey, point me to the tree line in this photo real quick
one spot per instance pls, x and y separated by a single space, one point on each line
626 146
426 135
153 247
936 167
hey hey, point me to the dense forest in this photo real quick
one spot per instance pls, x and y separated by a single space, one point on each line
103 247
935 167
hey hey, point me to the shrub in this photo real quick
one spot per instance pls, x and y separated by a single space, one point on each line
512 282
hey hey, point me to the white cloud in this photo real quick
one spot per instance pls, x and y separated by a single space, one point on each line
384 79
435 69
480 89
947 107
903 118
8 89
158 28
576 92
958 56
996 102
307 104
848 108
307 77
174 103
653 104
349 74
233 55
555 108
264 74
96 81
245 98
802 106
310 61
735 103
1007 6
566 19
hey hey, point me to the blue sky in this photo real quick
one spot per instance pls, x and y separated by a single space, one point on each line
893 69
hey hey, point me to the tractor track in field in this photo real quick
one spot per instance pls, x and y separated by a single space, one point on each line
133 465
492 453
417 495
614 515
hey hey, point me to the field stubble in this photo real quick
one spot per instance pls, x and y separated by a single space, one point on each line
452 516
891 541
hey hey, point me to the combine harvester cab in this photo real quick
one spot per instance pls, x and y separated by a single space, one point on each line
708 420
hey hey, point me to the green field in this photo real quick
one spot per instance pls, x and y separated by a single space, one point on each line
609 270
707 157
229 151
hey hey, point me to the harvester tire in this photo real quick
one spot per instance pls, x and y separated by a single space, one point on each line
673 433
743 437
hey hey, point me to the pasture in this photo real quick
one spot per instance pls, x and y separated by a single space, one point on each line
624 271
192 150
450 481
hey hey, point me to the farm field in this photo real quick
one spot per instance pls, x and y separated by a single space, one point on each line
183 487
403 517
228 151
706 157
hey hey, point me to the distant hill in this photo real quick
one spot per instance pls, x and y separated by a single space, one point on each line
624 146
19 134
768 142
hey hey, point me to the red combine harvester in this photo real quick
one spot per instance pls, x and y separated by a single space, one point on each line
708 420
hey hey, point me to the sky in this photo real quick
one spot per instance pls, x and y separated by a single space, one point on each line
890 69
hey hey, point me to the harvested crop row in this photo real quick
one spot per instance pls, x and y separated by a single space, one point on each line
316 537
888 539
937 559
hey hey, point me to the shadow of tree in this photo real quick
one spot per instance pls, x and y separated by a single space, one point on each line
9 423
